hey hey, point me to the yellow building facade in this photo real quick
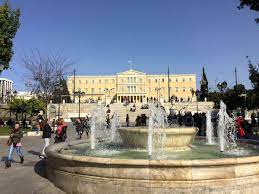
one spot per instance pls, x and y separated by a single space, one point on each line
133 86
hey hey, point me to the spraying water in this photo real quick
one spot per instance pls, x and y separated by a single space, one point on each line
209 131
98 126
226 130
156 134
115 124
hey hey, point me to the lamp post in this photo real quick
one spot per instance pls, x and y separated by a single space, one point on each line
79 94
221 87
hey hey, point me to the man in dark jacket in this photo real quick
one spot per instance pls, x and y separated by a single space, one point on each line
79 128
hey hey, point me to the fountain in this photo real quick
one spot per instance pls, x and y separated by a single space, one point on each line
115 124
98 126
209 130
136 165
226 130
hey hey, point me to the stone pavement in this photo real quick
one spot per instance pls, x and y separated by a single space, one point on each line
29 177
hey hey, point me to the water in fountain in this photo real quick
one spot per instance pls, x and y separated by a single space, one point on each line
209 130
98 126
156 135
115 124
226 130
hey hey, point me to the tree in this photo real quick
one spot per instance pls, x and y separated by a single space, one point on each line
253 95
20 106
34 106
45 72
9 22
17 106
204 86
61 92
233 97
252 4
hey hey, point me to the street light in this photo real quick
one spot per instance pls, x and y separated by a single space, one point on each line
79 94
222 86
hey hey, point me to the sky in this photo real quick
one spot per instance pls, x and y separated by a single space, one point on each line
101 36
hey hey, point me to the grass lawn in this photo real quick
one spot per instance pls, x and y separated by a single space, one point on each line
6 130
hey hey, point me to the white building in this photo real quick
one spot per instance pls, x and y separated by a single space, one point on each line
25 95
6 88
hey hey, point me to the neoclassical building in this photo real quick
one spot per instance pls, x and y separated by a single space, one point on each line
133 86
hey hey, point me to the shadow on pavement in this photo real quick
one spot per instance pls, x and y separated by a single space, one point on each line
41 168
34 152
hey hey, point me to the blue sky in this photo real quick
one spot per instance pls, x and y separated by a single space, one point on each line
100 36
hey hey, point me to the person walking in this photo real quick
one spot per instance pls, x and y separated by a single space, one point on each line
46 135
61 134
79 128
127 120
15 144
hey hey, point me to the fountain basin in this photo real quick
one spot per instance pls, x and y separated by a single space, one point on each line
94 175
177 138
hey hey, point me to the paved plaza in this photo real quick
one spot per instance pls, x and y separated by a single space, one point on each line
29 177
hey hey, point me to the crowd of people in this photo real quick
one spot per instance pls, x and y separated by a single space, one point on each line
82 125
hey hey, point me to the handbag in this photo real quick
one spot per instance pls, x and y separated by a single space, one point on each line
9 141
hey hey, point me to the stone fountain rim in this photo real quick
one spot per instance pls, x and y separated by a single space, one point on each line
173 130
53 151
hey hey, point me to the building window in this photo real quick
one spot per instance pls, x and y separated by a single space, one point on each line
100 90
140 80
86 81
92 90
128 80
170 80
150 90
163 80
156 80
176 89
86 90
176 79
100 81
79 81
183 80
149 80
183 89
93 81
122 80
190 79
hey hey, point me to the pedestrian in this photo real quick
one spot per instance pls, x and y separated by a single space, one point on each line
15 144
61 133
127 120
79 128
46 135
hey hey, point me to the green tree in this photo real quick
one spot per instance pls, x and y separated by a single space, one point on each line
233 97
253 95
9 22
23 107
204 86
17 106
61 92
34 106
